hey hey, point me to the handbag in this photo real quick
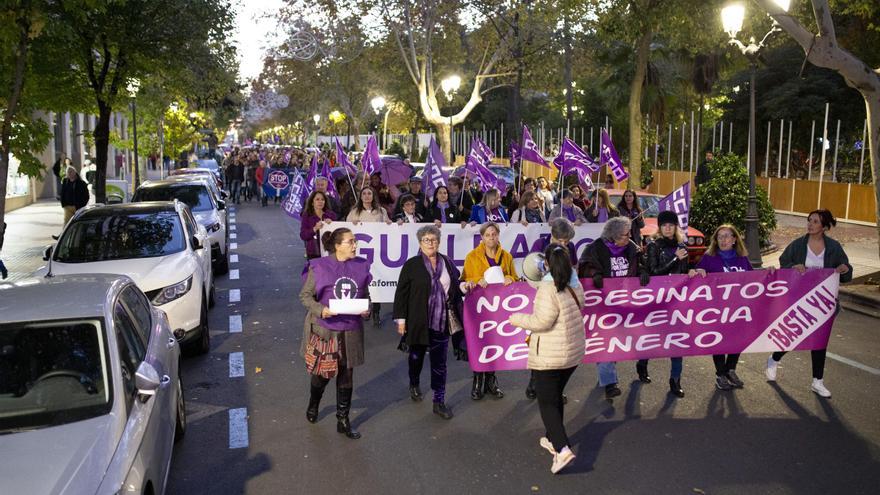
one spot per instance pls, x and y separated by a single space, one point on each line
322 356
453 323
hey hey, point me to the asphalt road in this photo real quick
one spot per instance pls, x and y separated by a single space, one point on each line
766 438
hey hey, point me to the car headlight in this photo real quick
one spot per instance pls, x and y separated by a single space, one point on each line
691 241
700 241
173 292
213 228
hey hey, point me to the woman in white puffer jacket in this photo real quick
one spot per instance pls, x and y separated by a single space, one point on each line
556 347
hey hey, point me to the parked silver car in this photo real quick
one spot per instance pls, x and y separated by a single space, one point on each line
90 394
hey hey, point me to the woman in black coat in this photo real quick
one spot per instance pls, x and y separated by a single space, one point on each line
443 211
428 286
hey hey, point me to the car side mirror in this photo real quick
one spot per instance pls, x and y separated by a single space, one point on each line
221 205
195 243
47 253
146 379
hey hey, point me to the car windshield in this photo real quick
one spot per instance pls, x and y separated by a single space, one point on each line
51 374
194 195
505 173
647 203
95 238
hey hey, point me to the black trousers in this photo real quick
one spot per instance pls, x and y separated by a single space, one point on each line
818 357
725 363
549 385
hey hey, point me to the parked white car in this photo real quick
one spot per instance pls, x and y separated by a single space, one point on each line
159 245
208 211
90 398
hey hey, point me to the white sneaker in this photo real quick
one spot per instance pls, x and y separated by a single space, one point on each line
771 369
547 445
820 389
562 459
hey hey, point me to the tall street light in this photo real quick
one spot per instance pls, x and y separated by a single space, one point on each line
378 103
316 118
134 86
732 19
450 86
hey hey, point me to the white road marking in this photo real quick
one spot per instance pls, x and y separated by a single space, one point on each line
854 364
234 295
233 245
233 236
232 228
233 258
236 364
233 274
238 428
234 323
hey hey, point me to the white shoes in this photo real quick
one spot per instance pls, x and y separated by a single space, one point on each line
561 459
545 443
820 389
771 369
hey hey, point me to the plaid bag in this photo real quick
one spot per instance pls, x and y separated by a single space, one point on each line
322 356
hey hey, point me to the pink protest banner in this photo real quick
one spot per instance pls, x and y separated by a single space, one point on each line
737 312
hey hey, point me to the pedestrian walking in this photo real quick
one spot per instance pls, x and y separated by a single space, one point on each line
4 273
488 263
814 250
566 208
315 216
333 344
556 347
260 178
427 308
726 253
74 193
629 207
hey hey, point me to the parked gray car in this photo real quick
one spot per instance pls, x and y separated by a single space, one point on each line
90 394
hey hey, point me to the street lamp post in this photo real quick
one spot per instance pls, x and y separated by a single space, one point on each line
316 118
732 19
133 87
450 86
378 103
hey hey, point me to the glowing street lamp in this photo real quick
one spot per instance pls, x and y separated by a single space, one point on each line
450 86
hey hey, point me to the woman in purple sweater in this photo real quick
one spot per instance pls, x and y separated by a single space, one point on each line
315 215
726 253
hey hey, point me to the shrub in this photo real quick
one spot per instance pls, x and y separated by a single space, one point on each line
724 199
395 148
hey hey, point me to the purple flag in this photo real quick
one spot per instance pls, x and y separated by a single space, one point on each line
342 159
477 163
678 202
530 149
572 156
309 185
331 186
371 160
608 156
293 204
515 153
434 176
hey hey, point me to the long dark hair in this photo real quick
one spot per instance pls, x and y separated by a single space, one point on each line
330 239
359 206
434 201
557 258
621 205
310 203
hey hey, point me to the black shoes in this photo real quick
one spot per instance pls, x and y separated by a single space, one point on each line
490 385
530 389
314 403
642 370
675 387
612 391
376 320
415 393
477 388
343 406
441 410
734 380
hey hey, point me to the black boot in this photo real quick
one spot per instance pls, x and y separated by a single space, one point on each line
642 371
343 405
491 385
675 387
314 403
376 309
530 388
477 389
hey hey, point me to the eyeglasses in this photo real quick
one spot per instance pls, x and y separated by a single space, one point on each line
430 240
349 242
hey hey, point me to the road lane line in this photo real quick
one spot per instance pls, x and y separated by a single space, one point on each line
234 295
232 227
238 428
233 275
234 323
236 364
854 364
233 258
233 236
233 245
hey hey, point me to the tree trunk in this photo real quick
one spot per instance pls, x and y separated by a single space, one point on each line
445 135
872 105
569 90
102 142
643 46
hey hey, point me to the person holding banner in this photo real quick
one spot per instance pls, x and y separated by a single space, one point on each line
727 253
489 210
602 209
667 255
442 210
629 208
613 255
333 344
415 190
568 210
488 263
529 210
367 209
408 213
556 347
814 250
314 217
427 309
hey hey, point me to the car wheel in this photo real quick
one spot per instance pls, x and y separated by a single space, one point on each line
204 343
223 263
180 421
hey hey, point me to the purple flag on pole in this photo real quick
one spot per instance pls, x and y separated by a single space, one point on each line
371 160
325 173
342 160
572 156
293 204
309 185
515 153
530 149
608 156
678 202
477 163
434 176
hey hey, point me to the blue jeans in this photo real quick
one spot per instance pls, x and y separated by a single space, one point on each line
675 372
607 373
234 190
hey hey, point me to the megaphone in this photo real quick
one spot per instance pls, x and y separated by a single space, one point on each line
533 267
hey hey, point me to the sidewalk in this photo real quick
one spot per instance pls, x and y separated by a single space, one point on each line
29 231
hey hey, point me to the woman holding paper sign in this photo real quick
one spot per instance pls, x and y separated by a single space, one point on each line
316 214
489 210
333 344
556 347
814 250
487 264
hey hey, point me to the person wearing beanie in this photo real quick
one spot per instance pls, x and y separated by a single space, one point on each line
74 193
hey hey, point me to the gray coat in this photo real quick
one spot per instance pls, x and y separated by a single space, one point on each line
353 340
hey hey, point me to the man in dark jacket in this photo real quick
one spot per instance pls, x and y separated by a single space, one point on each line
74 193
704 175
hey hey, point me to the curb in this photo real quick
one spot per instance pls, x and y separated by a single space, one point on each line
859 303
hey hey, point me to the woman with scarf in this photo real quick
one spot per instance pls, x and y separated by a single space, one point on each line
629 208
667 255
602 209
568 210
314 217
442 211
726 253
429 280
333 345
408 213
488 255
581 200
613 255
814 250
489 210
529 210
